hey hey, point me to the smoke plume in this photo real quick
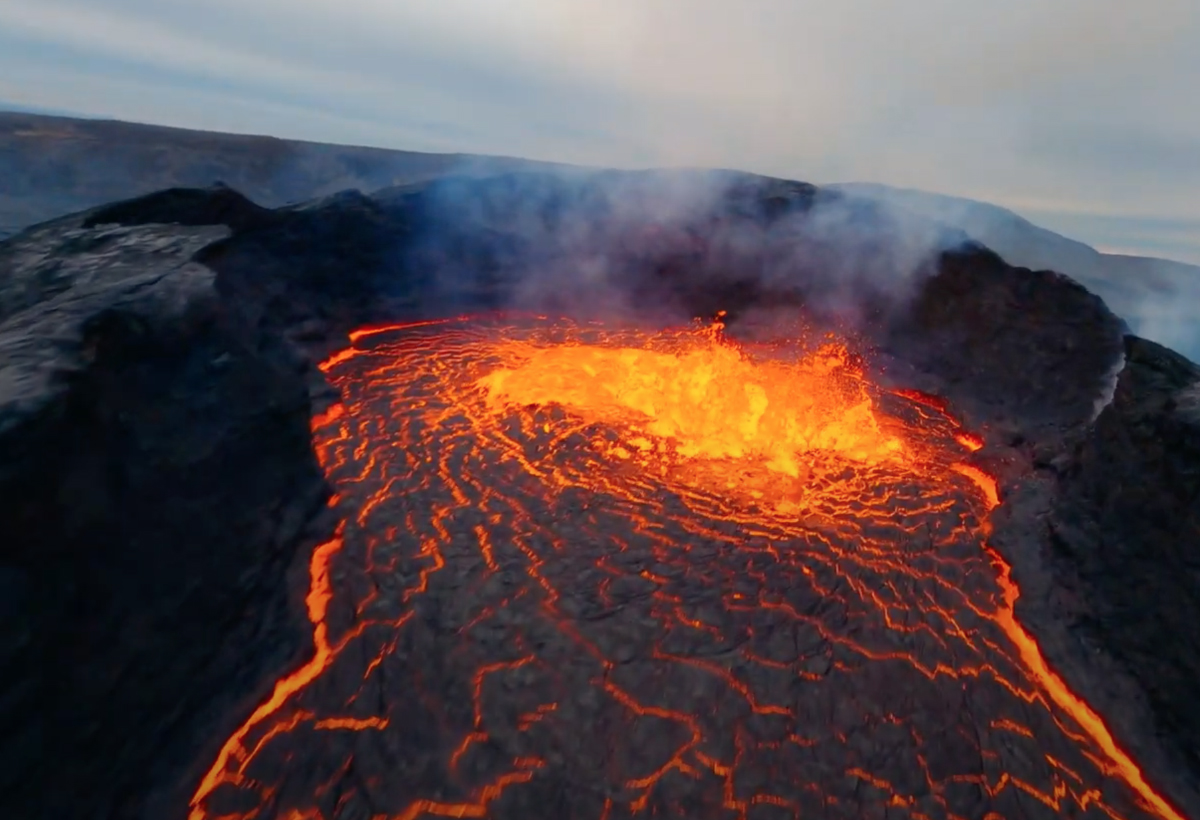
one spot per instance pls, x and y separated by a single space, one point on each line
663 245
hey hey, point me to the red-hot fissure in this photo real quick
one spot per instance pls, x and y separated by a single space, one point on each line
605 573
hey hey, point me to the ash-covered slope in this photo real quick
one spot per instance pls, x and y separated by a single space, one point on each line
158 466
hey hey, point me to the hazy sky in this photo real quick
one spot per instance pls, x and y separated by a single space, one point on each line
1083 110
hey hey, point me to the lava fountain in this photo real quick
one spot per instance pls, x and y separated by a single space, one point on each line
604 573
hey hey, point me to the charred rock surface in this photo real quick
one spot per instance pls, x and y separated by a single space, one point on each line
218 205
1027 351
182 396
1125 526
156 477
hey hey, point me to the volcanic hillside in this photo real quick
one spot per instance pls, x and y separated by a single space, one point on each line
611 495
50 168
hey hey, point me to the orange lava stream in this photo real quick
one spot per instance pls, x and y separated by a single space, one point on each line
1123 765
706 491
316 603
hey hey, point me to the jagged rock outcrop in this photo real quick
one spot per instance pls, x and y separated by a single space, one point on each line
1125 528
156 479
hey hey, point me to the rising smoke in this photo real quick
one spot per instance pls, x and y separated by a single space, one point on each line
1166 316
665 245
1155 297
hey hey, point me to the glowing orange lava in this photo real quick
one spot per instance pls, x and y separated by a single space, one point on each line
708 400
595 573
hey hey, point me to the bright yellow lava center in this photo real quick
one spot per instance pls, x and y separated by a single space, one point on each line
710 399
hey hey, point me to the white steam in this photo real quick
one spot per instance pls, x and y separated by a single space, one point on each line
1109 391
581 241
1169 317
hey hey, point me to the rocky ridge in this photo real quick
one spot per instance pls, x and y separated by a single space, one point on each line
157 482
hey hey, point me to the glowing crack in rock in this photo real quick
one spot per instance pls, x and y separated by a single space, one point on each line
602 573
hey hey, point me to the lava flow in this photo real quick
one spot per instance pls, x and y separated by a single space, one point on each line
598 573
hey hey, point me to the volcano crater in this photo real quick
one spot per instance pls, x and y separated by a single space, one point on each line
528 611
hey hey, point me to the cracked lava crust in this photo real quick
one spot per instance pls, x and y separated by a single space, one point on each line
599 573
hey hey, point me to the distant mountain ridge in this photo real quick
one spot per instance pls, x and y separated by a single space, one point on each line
52 165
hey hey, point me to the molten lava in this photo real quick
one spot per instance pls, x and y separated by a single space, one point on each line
597 573
709 400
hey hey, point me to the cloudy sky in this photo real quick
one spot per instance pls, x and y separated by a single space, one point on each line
1081 114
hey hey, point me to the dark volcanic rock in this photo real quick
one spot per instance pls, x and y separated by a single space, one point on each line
156 478
218 205
1126 523
1031 349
